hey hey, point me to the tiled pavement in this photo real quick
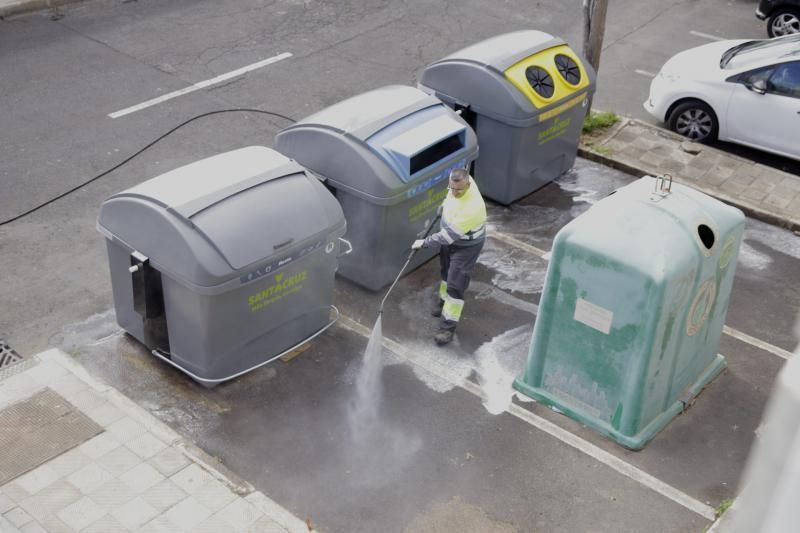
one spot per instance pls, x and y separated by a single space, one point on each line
758 190
137 475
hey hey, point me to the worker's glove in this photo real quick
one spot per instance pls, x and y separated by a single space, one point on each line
419 243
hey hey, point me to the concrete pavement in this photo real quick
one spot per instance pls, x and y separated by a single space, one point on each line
136 474
640 148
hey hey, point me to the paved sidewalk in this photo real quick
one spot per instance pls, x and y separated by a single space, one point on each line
10 8
137 474
640 148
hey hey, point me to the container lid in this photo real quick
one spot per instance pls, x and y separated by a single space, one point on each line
659 228
365 113
503 51
208 221
380 144
486 76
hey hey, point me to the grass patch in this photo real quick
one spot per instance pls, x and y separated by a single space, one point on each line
598 122
723 506
603 150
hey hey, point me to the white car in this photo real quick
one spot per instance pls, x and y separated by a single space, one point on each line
747 92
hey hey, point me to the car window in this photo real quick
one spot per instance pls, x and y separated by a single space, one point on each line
749 78
785 80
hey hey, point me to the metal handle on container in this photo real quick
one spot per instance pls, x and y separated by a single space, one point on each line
282 244
349 247
666 189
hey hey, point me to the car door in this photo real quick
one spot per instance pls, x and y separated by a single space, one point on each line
769 121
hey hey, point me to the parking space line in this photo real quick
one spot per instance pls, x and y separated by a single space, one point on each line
508 239
707 36
626 469
200 85
767 347
735 333
645 73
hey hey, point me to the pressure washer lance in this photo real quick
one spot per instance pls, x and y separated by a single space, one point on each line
408 261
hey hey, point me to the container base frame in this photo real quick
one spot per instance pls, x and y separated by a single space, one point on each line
209 383
640 439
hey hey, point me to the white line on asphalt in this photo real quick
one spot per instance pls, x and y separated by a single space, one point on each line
735 333
767 347
645 73
508 239
613 462
200 85
707 36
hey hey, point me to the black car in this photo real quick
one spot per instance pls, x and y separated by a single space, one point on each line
782 16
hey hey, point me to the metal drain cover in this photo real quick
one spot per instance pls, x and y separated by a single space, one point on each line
8 356
38 429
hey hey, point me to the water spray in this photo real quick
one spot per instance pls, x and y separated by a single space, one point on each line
408 261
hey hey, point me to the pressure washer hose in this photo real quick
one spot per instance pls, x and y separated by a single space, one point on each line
408 261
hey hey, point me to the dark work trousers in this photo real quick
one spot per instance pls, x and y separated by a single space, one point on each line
456 264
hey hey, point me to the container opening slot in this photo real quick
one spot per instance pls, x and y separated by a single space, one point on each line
706 235
436 153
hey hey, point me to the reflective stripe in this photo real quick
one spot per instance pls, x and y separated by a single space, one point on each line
449 233
443 290
452 308
475 234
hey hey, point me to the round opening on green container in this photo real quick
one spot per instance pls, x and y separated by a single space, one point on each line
540 81
706 235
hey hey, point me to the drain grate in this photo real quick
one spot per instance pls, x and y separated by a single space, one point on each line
8 356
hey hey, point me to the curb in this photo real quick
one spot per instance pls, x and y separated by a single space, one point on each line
748 208
235 483
9 8
161 430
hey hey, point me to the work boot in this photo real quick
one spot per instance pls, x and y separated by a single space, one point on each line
443 336
436 310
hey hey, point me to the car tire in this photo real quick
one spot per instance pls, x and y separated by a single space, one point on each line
784 21
694 119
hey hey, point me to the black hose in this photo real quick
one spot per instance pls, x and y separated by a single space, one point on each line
115 167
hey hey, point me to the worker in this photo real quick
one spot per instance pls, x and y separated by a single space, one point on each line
461 237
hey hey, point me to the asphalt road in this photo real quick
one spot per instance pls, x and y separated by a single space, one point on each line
63 78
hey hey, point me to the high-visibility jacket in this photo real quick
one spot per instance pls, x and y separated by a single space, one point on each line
463 219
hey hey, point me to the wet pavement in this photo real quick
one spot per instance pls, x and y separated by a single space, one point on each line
454 440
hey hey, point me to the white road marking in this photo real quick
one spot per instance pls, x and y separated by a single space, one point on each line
736 334
707 36
200 85
508 239
645 73
544 425
767 347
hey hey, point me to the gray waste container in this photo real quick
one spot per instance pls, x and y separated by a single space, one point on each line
221 265
525 95
386 154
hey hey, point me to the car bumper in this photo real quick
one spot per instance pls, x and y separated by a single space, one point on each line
658 100
765 8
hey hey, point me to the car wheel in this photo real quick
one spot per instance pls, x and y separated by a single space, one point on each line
695 120
783 22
